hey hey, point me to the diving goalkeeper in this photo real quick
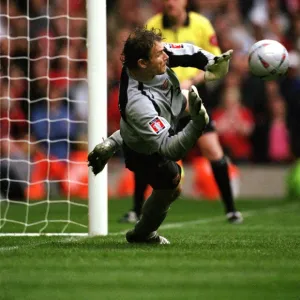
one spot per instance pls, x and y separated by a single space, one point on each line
151 104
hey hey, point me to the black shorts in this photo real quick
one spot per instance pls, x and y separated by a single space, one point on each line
210 127
158 171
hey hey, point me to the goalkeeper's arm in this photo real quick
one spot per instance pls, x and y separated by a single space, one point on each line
188 55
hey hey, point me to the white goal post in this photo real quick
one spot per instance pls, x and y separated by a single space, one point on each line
32 123
97 125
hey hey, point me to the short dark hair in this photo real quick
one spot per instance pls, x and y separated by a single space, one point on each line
138 45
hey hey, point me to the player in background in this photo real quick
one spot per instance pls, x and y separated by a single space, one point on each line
180 26
151 103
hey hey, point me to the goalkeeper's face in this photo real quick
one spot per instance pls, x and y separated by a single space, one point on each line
157 63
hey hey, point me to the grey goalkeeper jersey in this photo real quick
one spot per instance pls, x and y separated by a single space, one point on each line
150 110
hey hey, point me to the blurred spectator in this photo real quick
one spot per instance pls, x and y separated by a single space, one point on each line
113 114
53 124
3 21
50 56
65 67
114 73
278 137
39 73
272 134
293 6
12 118
208 8
239 31
79 97
74 181
234 124
290 88
252 88
295 33
131 13
269 20
38 14
13 131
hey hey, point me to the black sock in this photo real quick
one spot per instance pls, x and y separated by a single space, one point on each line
220 170
140 187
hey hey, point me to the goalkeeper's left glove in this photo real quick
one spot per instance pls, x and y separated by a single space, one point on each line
218 67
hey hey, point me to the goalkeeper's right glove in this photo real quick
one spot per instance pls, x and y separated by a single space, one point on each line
197 110
98 158
218 67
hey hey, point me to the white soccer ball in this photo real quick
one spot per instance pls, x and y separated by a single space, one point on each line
268 60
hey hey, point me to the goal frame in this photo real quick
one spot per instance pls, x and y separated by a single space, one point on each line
97 120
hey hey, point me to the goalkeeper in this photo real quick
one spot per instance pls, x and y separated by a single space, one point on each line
178 24
151 104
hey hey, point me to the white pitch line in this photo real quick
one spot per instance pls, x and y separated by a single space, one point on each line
246 214
221 218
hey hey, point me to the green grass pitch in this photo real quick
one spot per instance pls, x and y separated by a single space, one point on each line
207 259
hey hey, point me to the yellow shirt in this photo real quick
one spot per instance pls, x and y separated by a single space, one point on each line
197 30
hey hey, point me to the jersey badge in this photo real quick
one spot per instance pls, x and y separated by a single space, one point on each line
157 125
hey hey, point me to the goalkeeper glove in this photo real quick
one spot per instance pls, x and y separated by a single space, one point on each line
217 67
98 158
197 110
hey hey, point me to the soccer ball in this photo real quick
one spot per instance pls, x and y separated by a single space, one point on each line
268 60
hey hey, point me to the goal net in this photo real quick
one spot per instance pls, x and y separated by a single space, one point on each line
44 117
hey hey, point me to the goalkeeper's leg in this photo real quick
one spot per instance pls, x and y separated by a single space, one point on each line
154 212
140 187
165 181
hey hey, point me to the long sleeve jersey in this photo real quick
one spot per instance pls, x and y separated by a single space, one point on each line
150 110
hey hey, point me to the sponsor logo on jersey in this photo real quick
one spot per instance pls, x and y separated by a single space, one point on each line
176 46
213 40
157 125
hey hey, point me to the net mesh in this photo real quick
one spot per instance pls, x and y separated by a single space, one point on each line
43 135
